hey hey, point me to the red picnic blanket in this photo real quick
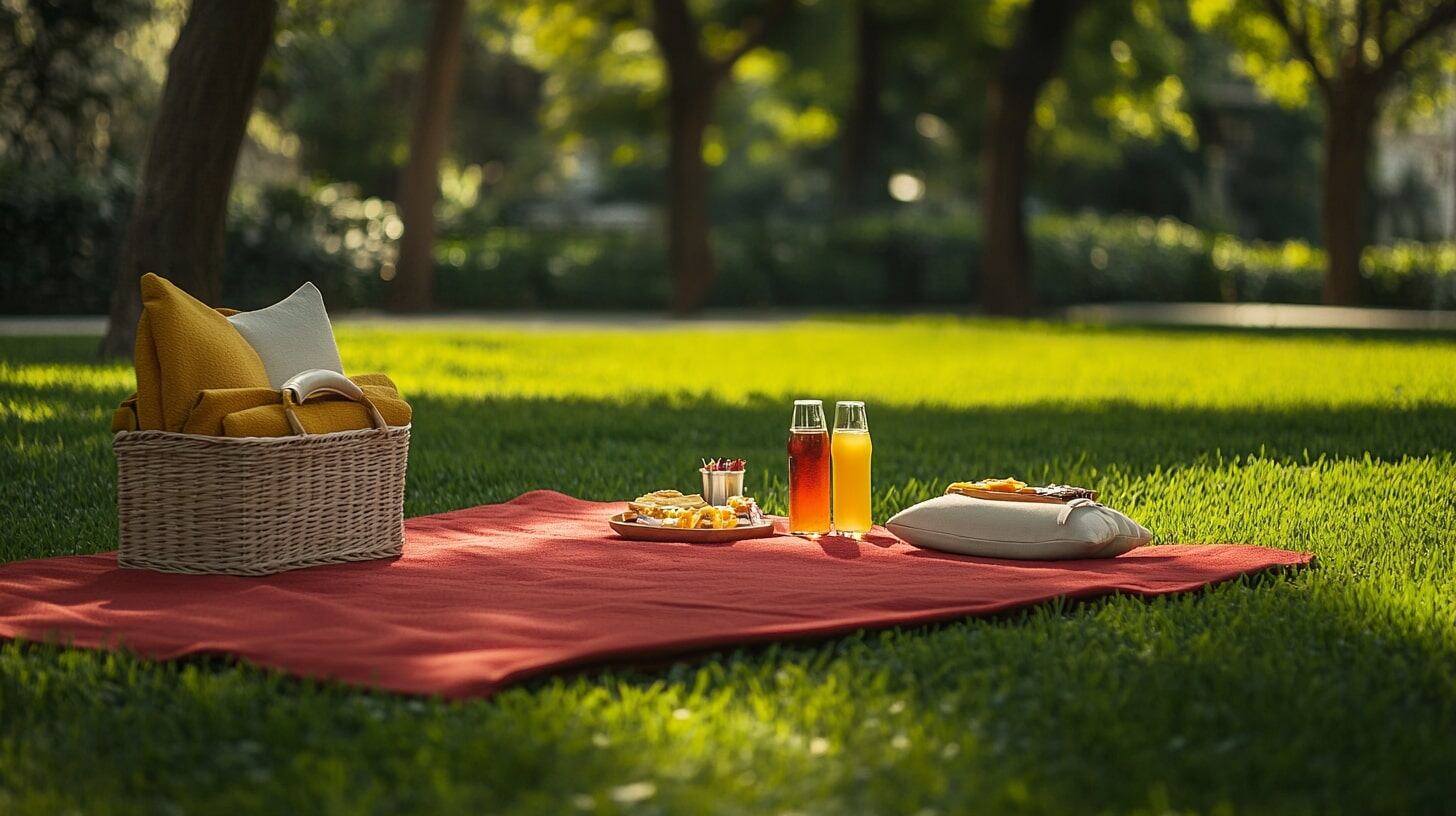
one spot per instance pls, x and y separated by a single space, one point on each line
491 595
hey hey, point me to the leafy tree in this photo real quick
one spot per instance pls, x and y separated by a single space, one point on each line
176 227
611 66
1023 69
1353 53
695 73
1068 81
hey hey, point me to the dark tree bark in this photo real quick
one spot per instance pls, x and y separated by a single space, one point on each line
689 251
413 288
1025 67
862 124
1349 122
176 227
694 79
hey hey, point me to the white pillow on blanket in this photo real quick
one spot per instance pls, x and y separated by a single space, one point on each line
1032 531
291 336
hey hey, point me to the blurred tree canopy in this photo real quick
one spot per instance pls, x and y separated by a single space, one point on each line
64 71
1352 54
1218 113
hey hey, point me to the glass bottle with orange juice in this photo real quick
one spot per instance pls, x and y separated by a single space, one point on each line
808 470
851 451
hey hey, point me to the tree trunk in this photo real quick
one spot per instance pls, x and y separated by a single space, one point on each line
693 79
862 124
414 283
176 227
689 251
1025 67
1350 108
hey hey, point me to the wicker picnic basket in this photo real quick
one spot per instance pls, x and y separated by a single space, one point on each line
256 506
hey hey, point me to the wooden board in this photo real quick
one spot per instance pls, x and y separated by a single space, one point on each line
644 532
998 495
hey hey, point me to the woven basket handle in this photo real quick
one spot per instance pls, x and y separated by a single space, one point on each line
301 386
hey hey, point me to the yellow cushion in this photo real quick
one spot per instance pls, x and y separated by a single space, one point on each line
183 348
381 380
124 418
215 404
317 417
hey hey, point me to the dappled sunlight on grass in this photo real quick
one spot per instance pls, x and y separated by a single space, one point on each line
923 361
1324 689
74 376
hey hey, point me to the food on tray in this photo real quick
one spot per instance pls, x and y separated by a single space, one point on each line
1007 485
657 503
746 508
672 508
725 464
703 518
1059 492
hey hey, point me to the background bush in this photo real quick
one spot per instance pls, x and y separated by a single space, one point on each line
66 233
62 233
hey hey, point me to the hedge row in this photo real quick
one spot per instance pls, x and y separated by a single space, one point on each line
59 239
898 262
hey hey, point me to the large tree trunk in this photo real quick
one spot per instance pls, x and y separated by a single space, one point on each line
176 227
1350 106
861 126
413 288
1025 67
689 251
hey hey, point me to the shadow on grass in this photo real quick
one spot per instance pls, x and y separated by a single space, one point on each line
1262 694
608 449
57 479
1325 693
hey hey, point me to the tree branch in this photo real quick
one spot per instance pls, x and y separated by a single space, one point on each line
1444 14
1382 24
1298 38
754 29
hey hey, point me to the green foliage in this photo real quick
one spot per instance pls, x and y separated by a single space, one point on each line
68 231
286 236
59 77
1333 40
342 84
61 233
1326 691
878 262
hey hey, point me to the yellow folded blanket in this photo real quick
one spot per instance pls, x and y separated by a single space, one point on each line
264 409
316 416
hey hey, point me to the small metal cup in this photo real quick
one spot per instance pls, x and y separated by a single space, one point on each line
718 485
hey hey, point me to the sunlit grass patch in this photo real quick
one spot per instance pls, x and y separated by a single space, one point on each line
935 361
1331 689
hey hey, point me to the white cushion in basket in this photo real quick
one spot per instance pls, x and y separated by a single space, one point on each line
291 336
1022 530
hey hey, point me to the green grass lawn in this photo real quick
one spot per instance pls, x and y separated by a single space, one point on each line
1333 689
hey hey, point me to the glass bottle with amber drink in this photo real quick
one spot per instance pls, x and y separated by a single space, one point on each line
851 450
808 470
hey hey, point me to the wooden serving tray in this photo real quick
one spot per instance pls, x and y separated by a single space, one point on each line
999 495
644 532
